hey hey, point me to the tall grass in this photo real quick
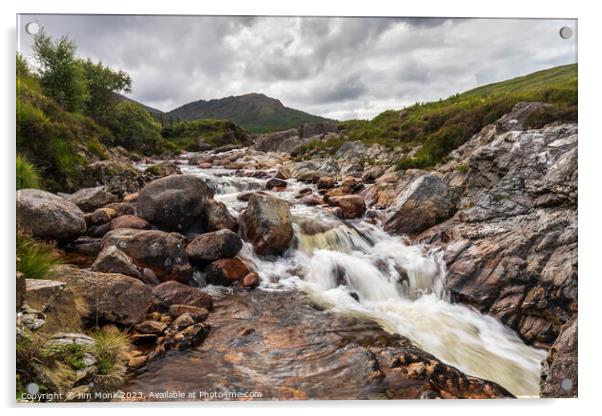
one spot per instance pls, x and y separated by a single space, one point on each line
27 175
35 258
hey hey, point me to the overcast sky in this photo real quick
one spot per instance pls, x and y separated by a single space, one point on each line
341 68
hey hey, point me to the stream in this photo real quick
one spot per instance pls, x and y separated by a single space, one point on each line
354 267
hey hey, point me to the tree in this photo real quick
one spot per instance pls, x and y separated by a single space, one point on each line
22 66
103 84
61 73
134 128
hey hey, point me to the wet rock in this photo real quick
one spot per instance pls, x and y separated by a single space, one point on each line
48 216
213 246
85 245
89 199
275 183
267 224
370 175
163 169
559 369
326 182
174 203
244 196
309 177
424 202
189 337
150 327
175 293
113 260
251 280
164 253
118 178
122 208
217 217
110 297
100 216
312 200
351 206
226 271
97 231
182 321
336 192
197 313
129 221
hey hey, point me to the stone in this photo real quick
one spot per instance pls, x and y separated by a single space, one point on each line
217 217
424 202
312 200
119 178
100 216
89 199
164 253
267 224
174 203
197 313
251 280
162 169
559 369
150 327
226 271
130 221
182 321
48 216
122 208
351 206
110 297
212 246
275 183
175 293
113 260
326 182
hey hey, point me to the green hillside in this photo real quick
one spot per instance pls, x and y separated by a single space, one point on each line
441 126
255 112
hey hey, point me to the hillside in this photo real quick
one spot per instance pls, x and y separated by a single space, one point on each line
255 112
153 111
441 126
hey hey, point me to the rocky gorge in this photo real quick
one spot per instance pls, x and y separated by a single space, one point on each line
335 277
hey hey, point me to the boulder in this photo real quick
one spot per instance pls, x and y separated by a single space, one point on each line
119 178
48 216
315 129
113 260
275 183
163 169
267 224
175 293
251 280
217 217
163 253
212 246
100 216
351 206
559 369
129 221
326 182
122 208
89 199
424 202
110 297
226 271
197 313
174 203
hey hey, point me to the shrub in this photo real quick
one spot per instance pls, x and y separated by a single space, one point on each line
134 128
27 175
35 258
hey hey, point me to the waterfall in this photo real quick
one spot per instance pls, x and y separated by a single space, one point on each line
355 267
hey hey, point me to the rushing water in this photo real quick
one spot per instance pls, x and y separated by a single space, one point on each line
354 266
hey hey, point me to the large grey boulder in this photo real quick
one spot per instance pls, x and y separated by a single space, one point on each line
266 223
164 253
113 260
89 199
208 247
110 297
48 216
424 202
174 203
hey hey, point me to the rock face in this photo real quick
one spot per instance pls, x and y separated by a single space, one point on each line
174 203
208 247
175 293
110 297
163 253
559 369
422 203
266 223
511 250
48 216
89 199
264 337
118 178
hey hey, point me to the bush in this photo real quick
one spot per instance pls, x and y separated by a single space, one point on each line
34 258
135 129
27 174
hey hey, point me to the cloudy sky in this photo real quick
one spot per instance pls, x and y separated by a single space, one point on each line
341 68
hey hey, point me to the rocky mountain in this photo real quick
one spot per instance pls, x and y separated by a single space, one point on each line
255 112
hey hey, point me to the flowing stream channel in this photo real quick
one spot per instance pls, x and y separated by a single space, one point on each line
354 266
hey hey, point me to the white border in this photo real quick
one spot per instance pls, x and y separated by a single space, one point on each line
590 153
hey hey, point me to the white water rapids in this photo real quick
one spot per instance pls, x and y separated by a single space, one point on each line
356 267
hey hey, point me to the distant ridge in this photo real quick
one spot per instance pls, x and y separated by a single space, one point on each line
255 112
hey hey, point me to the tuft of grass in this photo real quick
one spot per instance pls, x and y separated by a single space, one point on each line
35 258
110 346
27 174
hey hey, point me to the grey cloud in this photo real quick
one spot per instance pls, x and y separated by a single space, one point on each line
336 67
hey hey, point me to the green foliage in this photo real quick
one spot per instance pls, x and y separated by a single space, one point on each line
134 128
442 126
70 354
103 84
35 258
61 73
22 66
27 174
110 346
329 146
184 135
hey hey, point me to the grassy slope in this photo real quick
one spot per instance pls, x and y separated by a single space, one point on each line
184 135
442 126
